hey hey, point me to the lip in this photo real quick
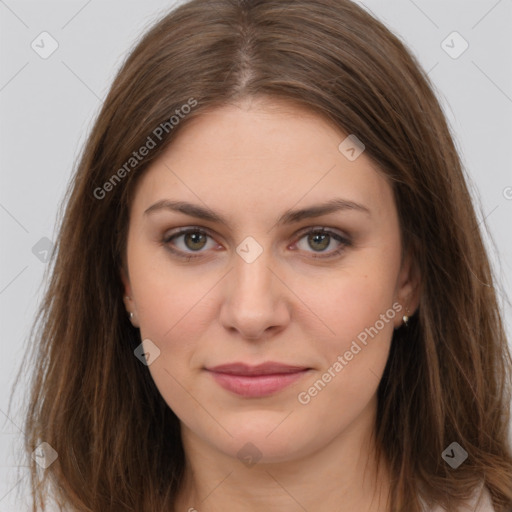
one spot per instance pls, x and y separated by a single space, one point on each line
256 381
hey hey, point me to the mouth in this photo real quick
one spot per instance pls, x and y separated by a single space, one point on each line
256 381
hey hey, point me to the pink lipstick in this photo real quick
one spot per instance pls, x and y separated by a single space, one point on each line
256 381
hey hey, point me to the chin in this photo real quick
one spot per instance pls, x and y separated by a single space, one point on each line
262 437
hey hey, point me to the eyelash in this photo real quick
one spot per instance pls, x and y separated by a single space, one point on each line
345 242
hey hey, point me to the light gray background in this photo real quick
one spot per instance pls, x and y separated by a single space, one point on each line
47 108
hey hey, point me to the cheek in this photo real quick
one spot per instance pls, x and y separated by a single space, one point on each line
351 300
170 309
355 332
353 362
168 296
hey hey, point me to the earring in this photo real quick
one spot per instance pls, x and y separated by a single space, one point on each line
405 318
131 315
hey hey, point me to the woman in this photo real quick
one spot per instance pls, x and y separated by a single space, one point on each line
270 290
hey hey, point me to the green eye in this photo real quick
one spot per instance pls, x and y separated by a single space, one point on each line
196 239
320 239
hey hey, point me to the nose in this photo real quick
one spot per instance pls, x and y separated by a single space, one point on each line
255 302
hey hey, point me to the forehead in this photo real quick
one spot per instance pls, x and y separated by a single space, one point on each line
262 154
260 129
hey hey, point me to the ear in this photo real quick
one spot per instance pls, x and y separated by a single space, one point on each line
126 282
129 303
408 288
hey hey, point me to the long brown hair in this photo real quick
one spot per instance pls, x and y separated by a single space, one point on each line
448 377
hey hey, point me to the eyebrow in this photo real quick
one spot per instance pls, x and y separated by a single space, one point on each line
289 217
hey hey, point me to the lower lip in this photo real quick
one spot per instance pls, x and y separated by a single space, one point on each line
255 386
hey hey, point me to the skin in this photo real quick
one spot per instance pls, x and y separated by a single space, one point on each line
251 162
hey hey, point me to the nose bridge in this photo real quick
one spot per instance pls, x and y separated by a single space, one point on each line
252 273
252 304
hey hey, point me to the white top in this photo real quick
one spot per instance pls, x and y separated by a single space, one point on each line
480 502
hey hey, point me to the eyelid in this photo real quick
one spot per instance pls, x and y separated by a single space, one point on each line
324 229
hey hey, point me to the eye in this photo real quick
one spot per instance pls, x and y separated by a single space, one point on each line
320 238
194 239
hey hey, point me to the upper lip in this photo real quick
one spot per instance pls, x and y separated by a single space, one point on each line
268 368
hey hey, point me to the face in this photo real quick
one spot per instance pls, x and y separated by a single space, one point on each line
263 281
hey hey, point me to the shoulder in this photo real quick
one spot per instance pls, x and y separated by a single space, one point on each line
479 502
